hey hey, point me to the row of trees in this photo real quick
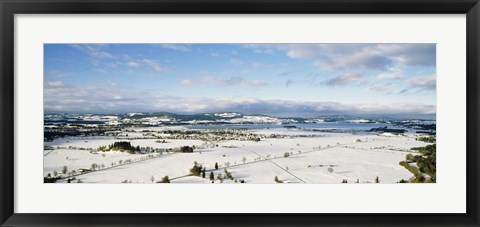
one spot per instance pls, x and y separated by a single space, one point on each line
429 139
200 171
128 147
377 180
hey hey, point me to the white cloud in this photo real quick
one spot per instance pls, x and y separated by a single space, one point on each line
390 75
256 65
261 48
98 56
187 82
424 82
215 81
94 50
102 71
265 51
57 74
252 66
112 64
178 47
235 61
93 98
342 79
300 53
335 56
387 88
357 56
411 54
290 72
215 54
289 108
111 98
146 63
133 64
54 84
152 65
101 54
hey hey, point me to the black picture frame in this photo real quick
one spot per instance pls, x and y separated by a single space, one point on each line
9 8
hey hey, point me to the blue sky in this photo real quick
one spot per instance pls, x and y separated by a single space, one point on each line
277 79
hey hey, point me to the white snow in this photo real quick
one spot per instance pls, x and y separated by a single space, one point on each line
227 114
308 161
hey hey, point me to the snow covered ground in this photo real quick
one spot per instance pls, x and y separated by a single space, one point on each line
349 157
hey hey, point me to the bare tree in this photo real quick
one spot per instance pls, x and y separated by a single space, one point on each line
244 160
330 170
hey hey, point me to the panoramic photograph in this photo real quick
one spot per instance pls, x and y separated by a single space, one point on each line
312 113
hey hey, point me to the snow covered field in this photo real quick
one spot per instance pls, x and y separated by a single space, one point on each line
314 157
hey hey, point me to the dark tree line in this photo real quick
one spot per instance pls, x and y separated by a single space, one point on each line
186 149
426 163
122 146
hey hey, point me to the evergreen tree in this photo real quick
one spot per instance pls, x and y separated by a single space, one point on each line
216 165
165 179
212 176
186 149
277 180
196 170
64 170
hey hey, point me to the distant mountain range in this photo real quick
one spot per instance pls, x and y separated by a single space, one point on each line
226 117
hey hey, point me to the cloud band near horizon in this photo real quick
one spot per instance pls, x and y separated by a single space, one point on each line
275 79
